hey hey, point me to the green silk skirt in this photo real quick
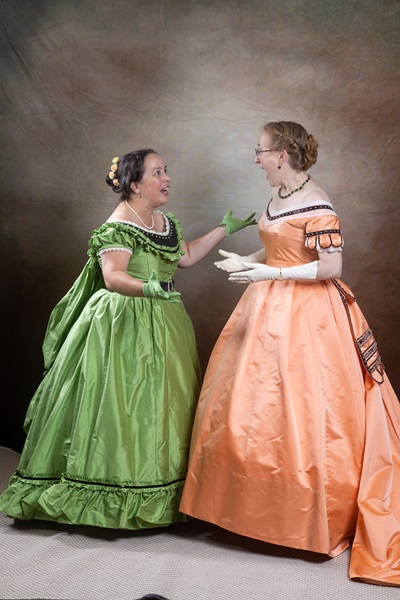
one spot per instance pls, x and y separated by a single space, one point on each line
108 429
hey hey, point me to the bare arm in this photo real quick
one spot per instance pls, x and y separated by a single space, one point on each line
198 249
329 265
116 278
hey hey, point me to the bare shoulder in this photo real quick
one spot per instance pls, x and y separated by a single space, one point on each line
117 214
314 195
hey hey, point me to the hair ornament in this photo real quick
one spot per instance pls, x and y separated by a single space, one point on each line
113 170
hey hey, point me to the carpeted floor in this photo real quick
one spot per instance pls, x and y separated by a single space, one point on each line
195 561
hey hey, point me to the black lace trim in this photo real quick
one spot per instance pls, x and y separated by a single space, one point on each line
66 479
171 238
365 343
297 211
168 242
324 231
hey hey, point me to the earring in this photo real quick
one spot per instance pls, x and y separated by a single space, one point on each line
279 166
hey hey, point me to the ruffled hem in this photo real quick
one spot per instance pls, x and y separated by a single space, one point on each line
78 503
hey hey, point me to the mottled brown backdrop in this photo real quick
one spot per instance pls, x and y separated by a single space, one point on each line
85 80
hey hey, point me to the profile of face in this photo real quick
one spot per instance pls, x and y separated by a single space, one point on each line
268 159
155 183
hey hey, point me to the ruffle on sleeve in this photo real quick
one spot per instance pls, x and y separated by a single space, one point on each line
123 236
111 236
324 234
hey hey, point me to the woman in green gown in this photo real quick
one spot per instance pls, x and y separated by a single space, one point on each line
108 428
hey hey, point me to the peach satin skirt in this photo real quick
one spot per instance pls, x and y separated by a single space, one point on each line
293 442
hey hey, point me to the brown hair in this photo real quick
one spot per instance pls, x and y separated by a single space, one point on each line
292 137
130 169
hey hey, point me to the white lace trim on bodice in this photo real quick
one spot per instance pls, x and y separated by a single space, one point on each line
120 248
163 233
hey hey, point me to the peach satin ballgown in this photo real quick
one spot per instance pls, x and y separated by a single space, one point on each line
294 443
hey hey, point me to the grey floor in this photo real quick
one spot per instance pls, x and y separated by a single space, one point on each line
192 561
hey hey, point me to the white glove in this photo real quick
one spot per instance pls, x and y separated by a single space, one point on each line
259 272
235 262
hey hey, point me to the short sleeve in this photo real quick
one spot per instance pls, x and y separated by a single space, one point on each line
109 237
323 234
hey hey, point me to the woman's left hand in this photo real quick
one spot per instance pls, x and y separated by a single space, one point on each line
260 272
232 224
256 272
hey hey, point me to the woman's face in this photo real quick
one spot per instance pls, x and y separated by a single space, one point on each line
268 159
154 185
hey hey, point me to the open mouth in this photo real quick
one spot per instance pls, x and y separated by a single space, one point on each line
165 191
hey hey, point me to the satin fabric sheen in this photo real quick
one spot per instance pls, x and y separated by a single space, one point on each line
293 442
109 426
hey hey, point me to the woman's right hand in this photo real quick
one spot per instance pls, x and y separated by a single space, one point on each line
153 289
233 262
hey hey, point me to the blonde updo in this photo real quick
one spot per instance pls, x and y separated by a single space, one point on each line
292 137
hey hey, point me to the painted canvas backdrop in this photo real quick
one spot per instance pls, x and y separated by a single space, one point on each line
84 81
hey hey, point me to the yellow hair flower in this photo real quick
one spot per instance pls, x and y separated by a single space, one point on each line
115 160
115 182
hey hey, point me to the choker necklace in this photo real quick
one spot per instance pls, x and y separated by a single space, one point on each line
296 190
140 218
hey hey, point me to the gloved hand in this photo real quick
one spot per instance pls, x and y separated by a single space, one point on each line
235 262
259 272
255 272
153 289
232 225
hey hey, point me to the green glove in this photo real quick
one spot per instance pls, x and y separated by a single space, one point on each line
232 225
153 289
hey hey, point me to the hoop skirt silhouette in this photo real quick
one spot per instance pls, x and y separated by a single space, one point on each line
108 429
296 439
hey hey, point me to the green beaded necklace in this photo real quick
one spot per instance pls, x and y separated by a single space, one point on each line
296 190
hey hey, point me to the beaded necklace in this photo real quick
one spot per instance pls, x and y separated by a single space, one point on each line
140 218
296 190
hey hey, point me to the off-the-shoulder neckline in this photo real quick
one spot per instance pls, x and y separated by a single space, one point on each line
298 207
166 220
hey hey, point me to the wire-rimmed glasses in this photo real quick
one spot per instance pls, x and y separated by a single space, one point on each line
258 151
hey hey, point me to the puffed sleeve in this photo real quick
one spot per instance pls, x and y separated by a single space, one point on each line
323 234
111 237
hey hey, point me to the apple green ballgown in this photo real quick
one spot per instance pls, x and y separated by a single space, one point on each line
108 428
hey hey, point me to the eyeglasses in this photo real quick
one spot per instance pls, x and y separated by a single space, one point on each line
258 151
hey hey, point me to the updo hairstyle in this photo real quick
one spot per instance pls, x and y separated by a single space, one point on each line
292 137
128 169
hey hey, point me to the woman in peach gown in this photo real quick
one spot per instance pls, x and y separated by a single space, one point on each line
296 439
